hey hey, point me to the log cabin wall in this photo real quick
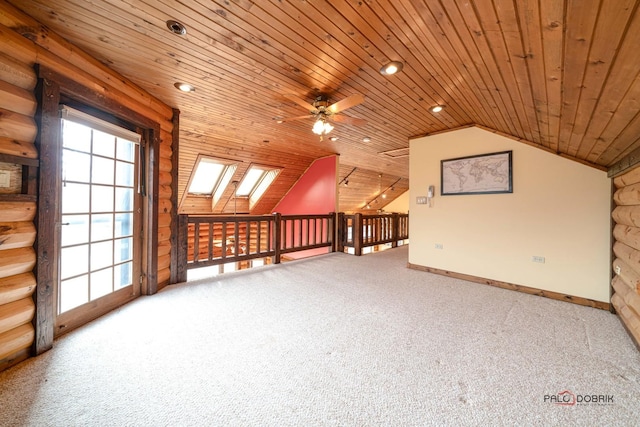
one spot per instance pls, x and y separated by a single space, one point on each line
23 44
17 210
626 249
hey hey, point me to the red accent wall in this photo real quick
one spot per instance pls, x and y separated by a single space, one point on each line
314 193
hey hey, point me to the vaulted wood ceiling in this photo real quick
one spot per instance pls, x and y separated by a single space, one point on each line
563 75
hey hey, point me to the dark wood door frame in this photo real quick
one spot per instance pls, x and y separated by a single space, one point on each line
51 89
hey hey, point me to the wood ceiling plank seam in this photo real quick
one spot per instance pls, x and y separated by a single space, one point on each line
278 79
614 131
186 127
521 60
369 97
376 46
430 32
616 152
470 63
302 143
474 22
607 83
275 78
58 46
371 71
607 32
529 18
237 151
306 86
86 30
280 49
494 24
401 43
354 42
581 16
621 135
491 94
307 27
552 20
264 152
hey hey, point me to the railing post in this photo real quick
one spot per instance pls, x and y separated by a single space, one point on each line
357 234
341 231
395 229
277 236
183 248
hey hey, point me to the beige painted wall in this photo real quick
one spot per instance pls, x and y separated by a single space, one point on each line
400 204
559 209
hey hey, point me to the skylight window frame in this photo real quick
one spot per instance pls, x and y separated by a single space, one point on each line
224 173
268 172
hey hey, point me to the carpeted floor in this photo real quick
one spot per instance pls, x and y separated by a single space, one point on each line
334 340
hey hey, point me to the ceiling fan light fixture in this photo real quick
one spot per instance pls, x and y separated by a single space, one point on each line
184 87
322 127
391 68
318 127
437 108
328 127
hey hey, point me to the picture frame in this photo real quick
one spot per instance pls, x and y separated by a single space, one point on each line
490 173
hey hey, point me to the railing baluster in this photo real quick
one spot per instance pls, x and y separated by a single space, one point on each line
196 242
210 242
258 234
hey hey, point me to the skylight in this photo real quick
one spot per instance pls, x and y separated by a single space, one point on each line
249 182
255 183
210 175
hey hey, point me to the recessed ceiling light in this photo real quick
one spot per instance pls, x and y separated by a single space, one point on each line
185 87
437 108
334 138
176 28
366 139
391 68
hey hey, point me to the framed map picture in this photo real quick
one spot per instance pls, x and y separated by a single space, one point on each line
481 174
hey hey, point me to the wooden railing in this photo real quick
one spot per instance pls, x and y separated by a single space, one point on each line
359 231
207 240
216 240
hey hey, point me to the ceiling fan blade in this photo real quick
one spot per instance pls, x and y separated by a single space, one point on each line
290 119
301 102
348 120
348 102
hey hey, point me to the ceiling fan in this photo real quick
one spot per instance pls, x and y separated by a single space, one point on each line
323 113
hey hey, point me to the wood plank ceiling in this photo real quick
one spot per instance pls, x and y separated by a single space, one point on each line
562 75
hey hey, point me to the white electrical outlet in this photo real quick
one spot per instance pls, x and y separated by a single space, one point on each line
5 179
539 259
618 270
439 246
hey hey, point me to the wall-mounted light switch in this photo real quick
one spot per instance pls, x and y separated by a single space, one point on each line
421 200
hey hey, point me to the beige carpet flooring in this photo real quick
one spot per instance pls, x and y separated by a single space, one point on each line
334 340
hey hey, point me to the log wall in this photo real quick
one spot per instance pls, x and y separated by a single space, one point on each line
17 210
626 249
23 44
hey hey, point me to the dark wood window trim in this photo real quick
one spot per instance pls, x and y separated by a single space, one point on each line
51 89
